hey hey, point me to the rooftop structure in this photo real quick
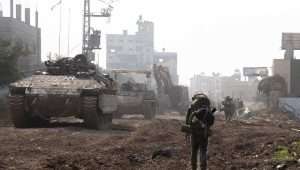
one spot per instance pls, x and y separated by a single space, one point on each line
136 51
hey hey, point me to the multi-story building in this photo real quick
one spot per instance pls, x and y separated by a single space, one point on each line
126 51
210 85
16 30
136 51
217 87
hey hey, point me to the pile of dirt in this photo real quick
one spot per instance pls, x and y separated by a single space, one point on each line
235 145
246 144
132 152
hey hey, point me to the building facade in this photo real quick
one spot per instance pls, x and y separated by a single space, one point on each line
16 30
133 52
289 69
136 51
218 87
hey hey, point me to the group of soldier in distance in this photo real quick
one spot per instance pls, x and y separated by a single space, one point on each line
232 108
200 118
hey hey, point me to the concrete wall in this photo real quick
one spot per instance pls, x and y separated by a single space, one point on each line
289 70
290 106
283 68
295 78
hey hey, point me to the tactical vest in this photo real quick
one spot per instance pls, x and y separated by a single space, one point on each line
198 121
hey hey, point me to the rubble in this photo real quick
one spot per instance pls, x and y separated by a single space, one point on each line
166 152
234 145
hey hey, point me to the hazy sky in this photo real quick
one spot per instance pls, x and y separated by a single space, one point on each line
209 35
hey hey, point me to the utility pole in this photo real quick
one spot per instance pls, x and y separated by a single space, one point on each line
69 27
60 22
91 41
86 27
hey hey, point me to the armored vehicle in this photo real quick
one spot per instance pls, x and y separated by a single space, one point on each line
171 97
134 94
69 87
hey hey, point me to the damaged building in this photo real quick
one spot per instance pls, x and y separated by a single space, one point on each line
136 51
289 66
18 30
218 87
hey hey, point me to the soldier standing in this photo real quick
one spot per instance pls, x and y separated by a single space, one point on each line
228 108
198 120
239 107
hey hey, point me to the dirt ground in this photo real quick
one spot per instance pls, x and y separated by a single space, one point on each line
136 144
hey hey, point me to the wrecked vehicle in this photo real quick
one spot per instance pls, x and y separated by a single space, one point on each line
134 93
69 87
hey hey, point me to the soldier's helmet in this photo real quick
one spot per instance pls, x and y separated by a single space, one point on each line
201 100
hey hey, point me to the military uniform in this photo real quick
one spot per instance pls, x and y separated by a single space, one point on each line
200 117
229 108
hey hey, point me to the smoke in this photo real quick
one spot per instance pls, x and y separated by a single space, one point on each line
256 106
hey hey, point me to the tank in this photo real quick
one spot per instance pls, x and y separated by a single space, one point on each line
69 87
134 93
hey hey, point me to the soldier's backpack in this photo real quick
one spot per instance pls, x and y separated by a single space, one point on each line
199 121
200 116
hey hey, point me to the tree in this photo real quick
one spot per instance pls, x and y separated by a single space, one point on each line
10 51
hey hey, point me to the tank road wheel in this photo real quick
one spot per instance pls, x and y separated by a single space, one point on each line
93 117
149 110
17 109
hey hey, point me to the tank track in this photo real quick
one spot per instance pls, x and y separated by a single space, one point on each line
17 109
93 117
